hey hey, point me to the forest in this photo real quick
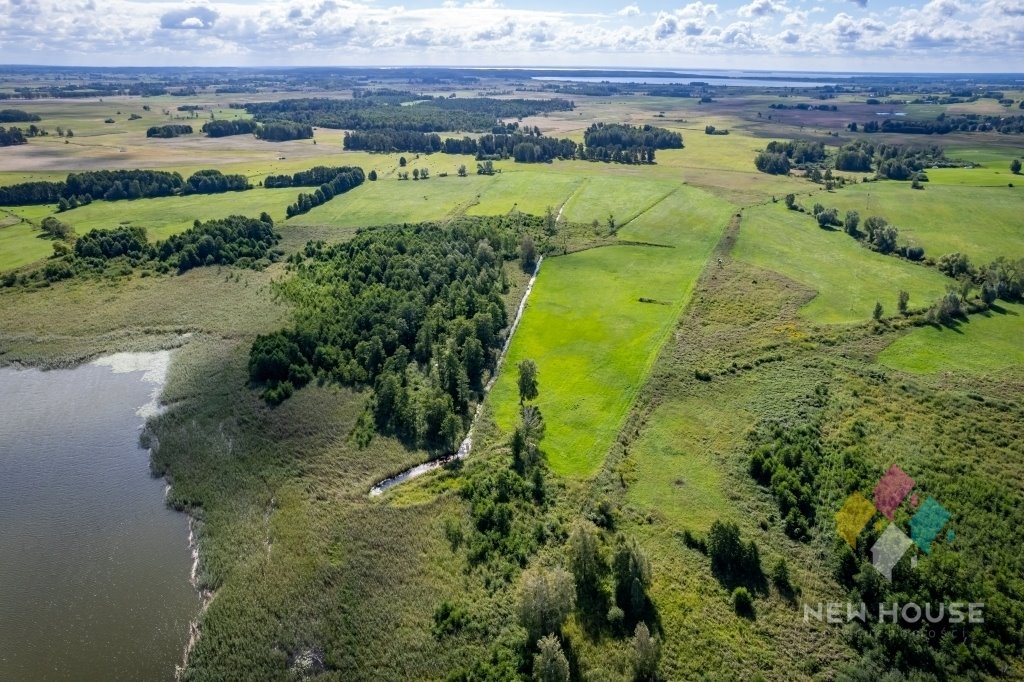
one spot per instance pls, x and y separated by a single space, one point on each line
414 311
364 113
611 143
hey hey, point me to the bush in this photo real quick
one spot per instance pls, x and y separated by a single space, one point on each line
742 602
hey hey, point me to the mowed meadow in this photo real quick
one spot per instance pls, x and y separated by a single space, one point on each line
597 319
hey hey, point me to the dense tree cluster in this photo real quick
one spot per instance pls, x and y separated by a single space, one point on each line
786 458
627 136
855 157
343 179
392 140
224 128
799 151
120 241
17 116
435 115
773 163
169 130
414 311
232 240
214 182
313 177
281 131
11 136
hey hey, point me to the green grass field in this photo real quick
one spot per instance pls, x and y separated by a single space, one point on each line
592 338
987 343
677 476
982 222
848 277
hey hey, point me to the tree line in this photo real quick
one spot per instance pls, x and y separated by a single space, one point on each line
948 123
214 182
614 143
436 115
114 185
17 116
280 131
344 179
235 240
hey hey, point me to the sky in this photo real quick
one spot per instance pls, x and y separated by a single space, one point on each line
803 35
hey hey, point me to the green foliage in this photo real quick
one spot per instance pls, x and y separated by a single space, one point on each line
27 193
11 136
734 562
224 128
546 598
373 112
772 163
742 602
168 131
527 380
413 311
631 570
214 182
343 180
954 265
281 131
550 664
56 229
786 457
585 559
646 654
231 240
17 116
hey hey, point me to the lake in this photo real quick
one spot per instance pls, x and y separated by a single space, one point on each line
94 568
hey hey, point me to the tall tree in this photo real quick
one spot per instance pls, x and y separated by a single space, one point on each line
527 380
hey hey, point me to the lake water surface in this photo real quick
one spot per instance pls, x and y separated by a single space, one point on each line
94 568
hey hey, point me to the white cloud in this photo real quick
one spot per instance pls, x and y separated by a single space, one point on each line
760 8
264 32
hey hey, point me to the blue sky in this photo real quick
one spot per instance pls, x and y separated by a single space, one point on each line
840 35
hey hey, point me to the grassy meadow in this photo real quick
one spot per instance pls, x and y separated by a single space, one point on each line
848 278
988 343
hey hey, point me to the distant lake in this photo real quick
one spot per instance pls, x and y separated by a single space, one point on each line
94 568
710 80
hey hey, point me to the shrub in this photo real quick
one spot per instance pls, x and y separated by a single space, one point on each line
742 602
